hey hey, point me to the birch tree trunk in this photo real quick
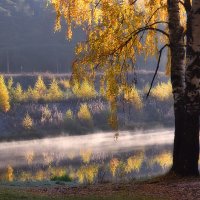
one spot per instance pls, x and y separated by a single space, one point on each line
190 144
177 78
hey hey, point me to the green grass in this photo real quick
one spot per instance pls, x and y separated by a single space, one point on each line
13 194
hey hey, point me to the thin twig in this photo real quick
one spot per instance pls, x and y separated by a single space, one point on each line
158 65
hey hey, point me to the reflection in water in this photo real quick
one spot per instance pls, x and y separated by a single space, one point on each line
164 159
88 158
134 163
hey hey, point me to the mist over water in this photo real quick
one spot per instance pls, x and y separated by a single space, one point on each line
68 147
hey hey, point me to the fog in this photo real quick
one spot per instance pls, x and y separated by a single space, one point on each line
101 145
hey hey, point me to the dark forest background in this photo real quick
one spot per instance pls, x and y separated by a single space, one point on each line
28 42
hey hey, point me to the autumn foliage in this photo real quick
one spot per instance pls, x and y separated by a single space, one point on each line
4 96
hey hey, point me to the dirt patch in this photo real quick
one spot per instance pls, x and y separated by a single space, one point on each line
172 190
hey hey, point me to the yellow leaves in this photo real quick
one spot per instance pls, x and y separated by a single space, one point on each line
163 159
69 32
18 93
10 174
79 48
114 163
111 28
69 114
132 95
87 173
27 122
134 163
54 92
85 90
84 113
4 96
40 89
163 91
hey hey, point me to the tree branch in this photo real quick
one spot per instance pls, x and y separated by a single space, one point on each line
158 65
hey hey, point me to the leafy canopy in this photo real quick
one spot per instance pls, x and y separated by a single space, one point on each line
118 31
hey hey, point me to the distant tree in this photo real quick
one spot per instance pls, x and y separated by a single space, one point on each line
27 122
40 90
18 94
4 96
84 90
54 92
84 113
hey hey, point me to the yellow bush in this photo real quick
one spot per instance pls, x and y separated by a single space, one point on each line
54 92
40 89
163 91
4 96
87 173
10 83
9 174
40 175
84 113
27 122
132 95
57 172
18 93
65 83
85 90
69 114
46 114
25 176
29 94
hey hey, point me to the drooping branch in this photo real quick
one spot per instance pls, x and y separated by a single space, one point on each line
138 31
156 71
148 21
149 27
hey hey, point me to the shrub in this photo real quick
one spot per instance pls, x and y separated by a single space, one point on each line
85 90
9 174
27 122
29 95
46 114
4 96
10 88
25 176
40 89
84 113
87 173
163 91
65 83
18 94
54 92
69 114
40 175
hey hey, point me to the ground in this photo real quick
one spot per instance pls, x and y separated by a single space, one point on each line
178 189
